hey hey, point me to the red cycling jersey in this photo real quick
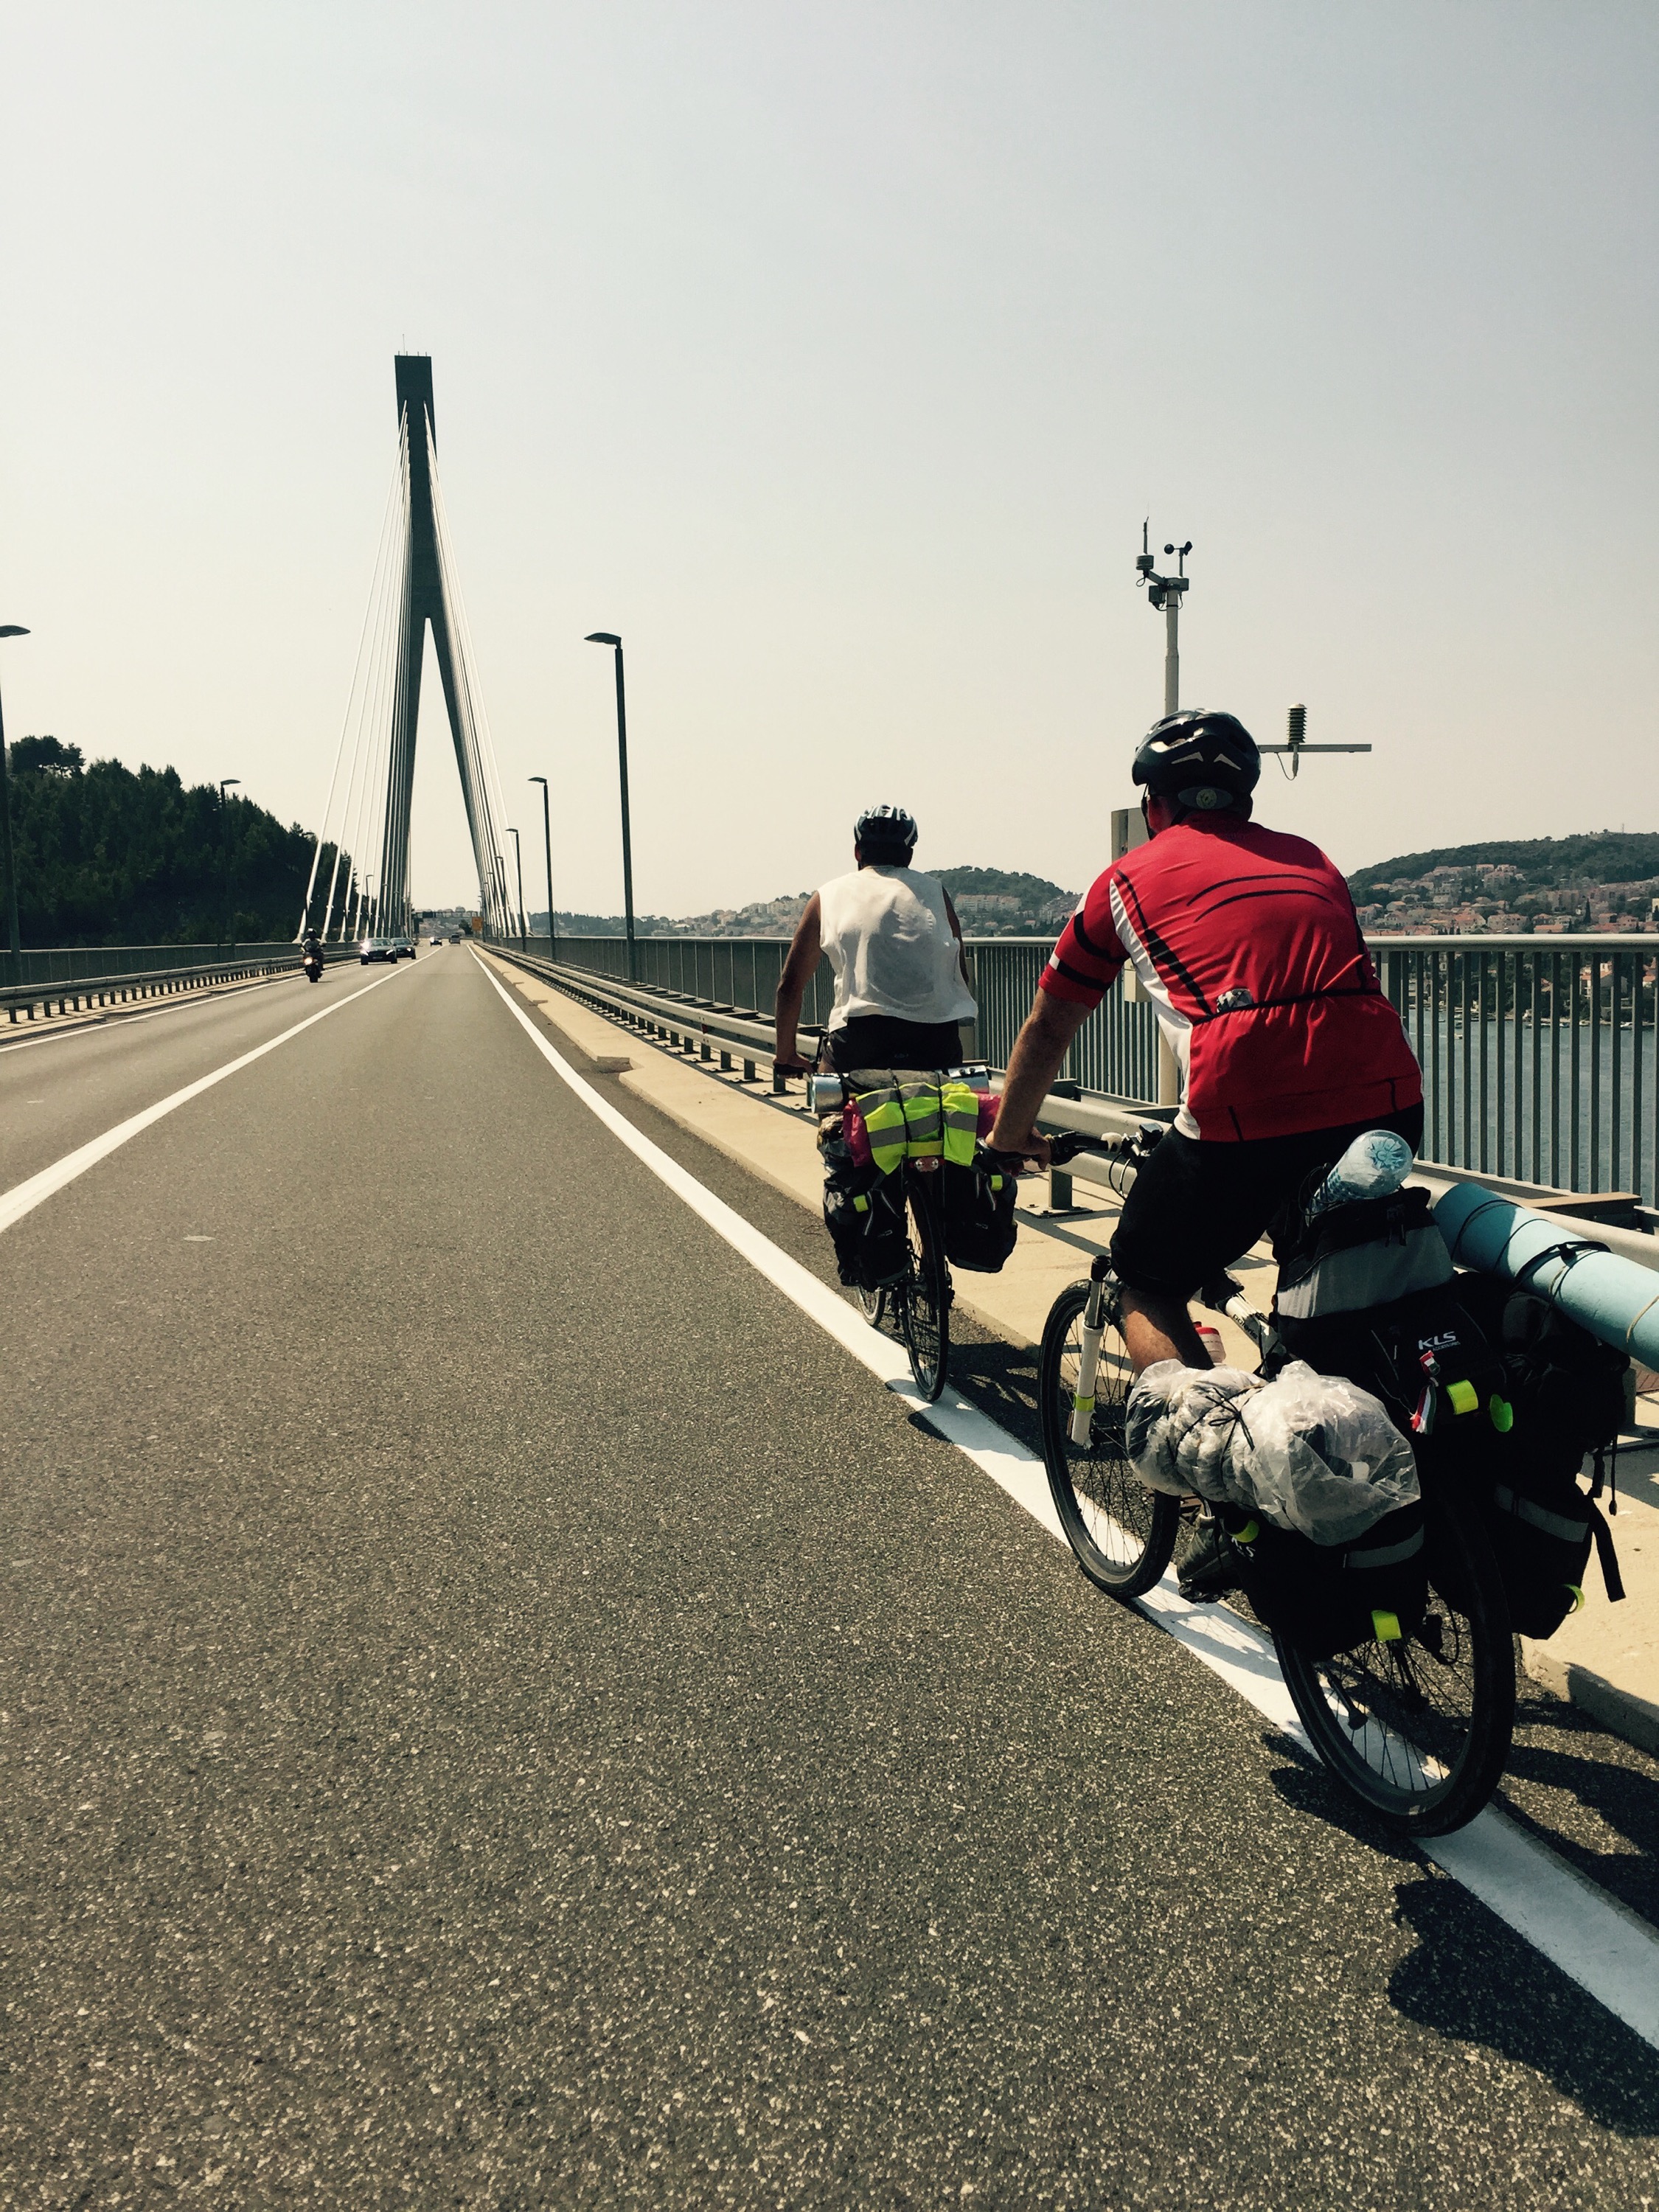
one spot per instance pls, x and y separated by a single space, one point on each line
1246 943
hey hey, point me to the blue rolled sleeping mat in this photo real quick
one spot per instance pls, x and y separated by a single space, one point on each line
1615 1300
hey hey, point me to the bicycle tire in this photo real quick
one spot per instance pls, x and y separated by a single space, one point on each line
1122 1534
925 1313
1436 1713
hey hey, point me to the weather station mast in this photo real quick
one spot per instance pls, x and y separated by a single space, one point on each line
1164 594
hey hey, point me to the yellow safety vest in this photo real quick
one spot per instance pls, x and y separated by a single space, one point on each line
920 1120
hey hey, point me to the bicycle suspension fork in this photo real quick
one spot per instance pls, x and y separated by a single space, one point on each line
1093 1329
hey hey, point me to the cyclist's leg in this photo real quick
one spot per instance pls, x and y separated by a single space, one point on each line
1192 1209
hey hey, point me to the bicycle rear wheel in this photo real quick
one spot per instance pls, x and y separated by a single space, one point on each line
925 1313
1123 1533
1419 1730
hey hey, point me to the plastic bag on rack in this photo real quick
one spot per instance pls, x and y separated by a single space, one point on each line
1310 1453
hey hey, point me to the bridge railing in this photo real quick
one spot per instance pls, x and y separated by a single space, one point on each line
1539 1054
75 979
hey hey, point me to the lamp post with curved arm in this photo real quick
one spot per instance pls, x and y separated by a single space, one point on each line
9 629
609 637
518 869
226 782
547 839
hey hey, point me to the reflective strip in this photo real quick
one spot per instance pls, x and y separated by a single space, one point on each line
860 1205
1464 1397
1385 1626
1503 1414
921 1120
1083 1405
1577 1597
960 1110
884 1125
1553 1524
1385 1555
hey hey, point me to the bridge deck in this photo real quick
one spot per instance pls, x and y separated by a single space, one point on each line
499 1699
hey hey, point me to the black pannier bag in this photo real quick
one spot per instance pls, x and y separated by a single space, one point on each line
977 1203
1326 1598
863 1211
1502 1396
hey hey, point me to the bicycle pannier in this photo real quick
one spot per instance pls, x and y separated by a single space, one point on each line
1502 1396
863 1212
978 1203
1326 1598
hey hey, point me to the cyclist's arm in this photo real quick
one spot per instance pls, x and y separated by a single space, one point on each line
1039 1051
799 969
955 932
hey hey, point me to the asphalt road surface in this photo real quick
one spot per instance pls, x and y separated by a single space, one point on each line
500 1709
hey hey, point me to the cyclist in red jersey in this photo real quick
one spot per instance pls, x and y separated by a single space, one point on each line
1246 941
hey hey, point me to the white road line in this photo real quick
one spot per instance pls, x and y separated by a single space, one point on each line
23 1197
1608 1950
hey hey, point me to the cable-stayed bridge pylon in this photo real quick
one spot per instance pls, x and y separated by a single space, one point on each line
414 589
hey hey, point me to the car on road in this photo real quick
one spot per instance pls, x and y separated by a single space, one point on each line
403 948
375 948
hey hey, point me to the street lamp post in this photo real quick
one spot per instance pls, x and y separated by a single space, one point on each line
9 629
225 784
547 838
608 637
518 867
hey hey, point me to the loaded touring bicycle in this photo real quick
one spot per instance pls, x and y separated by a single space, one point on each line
1396 1641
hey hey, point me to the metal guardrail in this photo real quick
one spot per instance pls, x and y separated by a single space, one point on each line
735 1034
32 1001
44 966
1540 1053
709 1031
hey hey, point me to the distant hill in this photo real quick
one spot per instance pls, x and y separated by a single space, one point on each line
1032 892
1602 856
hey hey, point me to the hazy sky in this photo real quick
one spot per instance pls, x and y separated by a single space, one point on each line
833 354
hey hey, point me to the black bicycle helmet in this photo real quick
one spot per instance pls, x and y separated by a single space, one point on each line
1205 761
881 831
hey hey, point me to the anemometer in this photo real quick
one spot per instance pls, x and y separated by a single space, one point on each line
1165 594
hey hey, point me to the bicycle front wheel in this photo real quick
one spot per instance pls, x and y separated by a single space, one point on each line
926 1312
1419 1730
1123 1533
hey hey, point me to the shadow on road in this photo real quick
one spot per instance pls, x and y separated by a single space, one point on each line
1529 2015
1533 2016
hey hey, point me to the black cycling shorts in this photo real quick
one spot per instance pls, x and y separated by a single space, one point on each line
1195 1207
884 1041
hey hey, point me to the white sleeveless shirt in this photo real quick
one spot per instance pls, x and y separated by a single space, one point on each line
890 944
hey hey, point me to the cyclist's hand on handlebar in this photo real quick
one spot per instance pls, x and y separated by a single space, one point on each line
792 1064
1034 1147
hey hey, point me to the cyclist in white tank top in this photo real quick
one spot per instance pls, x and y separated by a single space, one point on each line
896 945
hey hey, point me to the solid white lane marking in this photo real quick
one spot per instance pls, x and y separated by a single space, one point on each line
1596 1943
23 1197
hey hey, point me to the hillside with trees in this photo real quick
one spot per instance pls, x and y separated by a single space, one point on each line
1607 879
108 856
